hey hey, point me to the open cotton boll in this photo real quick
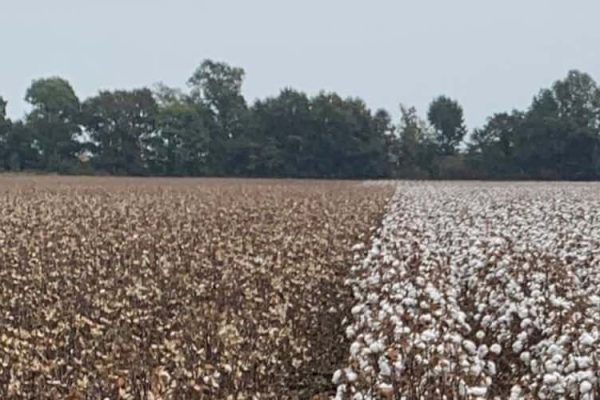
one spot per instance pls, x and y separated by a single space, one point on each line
337 375
585 387
478 391
586 339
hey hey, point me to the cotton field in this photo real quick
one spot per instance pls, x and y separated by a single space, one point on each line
271 289
176 289
478 291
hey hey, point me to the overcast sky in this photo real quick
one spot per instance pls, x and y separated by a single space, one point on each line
491 56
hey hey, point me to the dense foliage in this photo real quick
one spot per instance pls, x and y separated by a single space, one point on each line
211 130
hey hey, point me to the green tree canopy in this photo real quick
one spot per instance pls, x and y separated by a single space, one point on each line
121 125
446 117
183 136
54 122
218 87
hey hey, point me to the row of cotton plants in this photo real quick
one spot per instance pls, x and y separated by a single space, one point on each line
478 291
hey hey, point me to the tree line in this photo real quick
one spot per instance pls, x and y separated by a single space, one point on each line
211 130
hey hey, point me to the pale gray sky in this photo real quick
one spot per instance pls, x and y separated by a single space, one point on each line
491 56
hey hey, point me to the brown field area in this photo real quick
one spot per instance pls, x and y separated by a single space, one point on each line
176 289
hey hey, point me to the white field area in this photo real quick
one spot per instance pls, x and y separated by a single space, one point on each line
478 290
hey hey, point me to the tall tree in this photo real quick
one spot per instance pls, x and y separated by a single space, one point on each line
218 86
4 130
577 100
281 130
121 125
20 150
346 143
54 122
446 117
493 147
181 147
416 145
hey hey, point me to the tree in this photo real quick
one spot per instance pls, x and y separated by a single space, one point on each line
560 138
218 87
446 117
4 130
20 151
281 130
577 99
181 146
54 122
494 146
121 125
346 143
415 149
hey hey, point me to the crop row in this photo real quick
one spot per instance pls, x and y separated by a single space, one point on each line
156 289
479 291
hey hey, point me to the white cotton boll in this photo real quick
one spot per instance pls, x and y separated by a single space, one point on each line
355 348
517 346
515 392
358 396
525 357
585 387
480 334
554 349
337 375
551 379
584 362
534 366
479 391
526 323
476 369
358 246
398 366
496 348
456 338
469 346
351 376
586 339
428 335
570 367
482 350
595 300
426 318
357 309
340 392
550 366
372 298
376 347
491 367
486 321
409 302
384 367
523 312
586 376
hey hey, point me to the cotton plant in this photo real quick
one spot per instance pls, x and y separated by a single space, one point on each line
478 290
